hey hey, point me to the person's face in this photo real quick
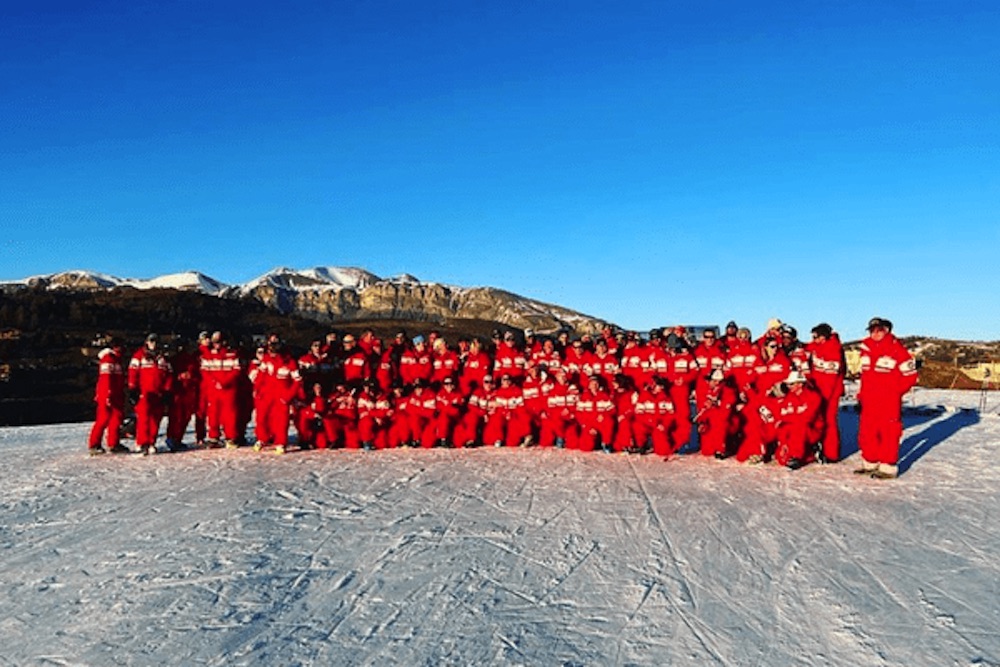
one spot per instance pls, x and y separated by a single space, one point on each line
449 385
708 337
743 335
878 333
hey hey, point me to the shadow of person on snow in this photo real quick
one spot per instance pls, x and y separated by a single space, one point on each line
916 445
848 416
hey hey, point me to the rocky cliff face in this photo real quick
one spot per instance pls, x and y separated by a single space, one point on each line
421 302
336 294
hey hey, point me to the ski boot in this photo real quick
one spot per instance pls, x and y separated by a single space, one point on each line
120 449
95 451
280 449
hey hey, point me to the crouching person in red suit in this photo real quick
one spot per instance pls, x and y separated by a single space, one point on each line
509 424
478 410
450 406
656 420
800 423
759 424
716 402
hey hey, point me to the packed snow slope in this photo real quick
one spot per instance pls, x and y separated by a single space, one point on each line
442 557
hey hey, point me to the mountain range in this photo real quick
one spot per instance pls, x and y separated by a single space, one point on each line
343 294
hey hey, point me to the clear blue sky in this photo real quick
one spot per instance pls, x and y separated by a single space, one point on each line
644 162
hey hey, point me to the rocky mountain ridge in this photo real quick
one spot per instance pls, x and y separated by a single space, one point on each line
345 294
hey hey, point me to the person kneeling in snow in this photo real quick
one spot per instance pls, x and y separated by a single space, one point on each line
800 422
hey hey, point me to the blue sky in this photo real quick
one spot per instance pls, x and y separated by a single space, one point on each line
644 162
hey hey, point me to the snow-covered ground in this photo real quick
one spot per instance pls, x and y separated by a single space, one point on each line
490 556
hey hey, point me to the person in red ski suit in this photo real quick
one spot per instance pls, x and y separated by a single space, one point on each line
602 363
758 422
421 411
509 424
625 397
399 421
547 356
280 388
343 425
730 336
449 413
150 375
310 419
355 365
741 359
828 371
478 410
557 423
444 363
416 363
533 392
710 354
476 367
316 366
798 354
773 366
655 420
682 373
595 415
385 372
800 422
509 359
773 332
575 362
186 391
109 396
635 362
716 398
221 367
374 417
888 371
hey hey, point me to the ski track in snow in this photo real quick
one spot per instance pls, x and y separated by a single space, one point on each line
510 556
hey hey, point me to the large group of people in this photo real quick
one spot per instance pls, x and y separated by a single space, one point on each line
773 398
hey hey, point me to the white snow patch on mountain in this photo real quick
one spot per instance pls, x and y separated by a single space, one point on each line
510 556
188 280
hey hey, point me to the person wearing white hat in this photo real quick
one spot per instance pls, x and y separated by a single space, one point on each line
716 400
800 422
